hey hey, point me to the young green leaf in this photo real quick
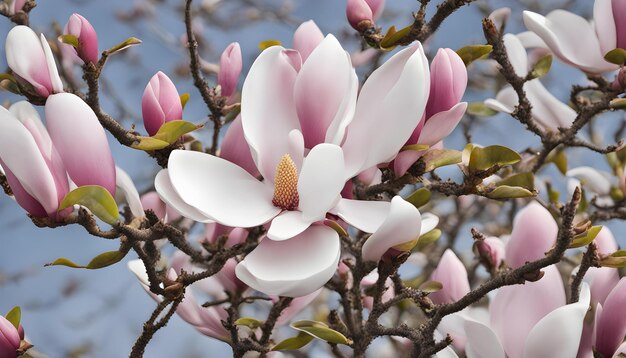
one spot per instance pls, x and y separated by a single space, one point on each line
95 198
321 331
293 343
249 322
102 260
436 158
616 56
541 67
420 197
14 316
586 237
480 109
472 53
171 131
487 157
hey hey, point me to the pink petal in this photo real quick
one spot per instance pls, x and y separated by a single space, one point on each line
605 242
402 224
619 8
270 81
397 91
602 280
231 64
87 38
26 58
233 198
80 140
452 274
357 11
294 267
367 216
160 103
448 79
235 148
604 25
442 124
611 327
306 38
152 201
9 338
296 306
534 233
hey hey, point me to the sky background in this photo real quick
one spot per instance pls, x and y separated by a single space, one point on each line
68 312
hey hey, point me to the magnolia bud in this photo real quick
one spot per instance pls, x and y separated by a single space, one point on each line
160 103
453 276
359 15
490 252
9 338
230 69
448 79
79 27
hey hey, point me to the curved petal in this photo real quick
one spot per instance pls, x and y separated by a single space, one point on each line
235 149
547 109
604 25
320 181
517 54
452 274
561 328
268 111
530 39
168 194
317 102
345 113
306 38
367 216
592 178
565 34
55 79
448 80
21 156
27 59
294 267
126 185
9 338
611 323
397 93
296 306
23 198
482 342
441 124
534 232
505 100
287 225
525 305
605 241
429 222
402 224
80 140
601 280
220 189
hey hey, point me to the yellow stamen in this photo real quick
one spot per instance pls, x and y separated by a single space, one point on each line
286 184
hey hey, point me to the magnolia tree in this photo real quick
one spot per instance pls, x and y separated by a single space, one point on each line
326 221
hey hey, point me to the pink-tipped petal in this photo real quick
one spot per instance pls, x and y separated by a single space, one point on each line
9 339
357 11
233 198
80 140
231 64
26 58
269 84
160 103
377 7
442 124
402 224
448 79
152 201
55 79
296 306
452 274
294 267
605 242
306 38
367 216
605 25
619 16
235 149
534 232
611 324
87 49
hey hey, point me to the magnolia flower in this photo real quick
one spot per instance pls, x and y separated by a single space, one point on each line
10 338
79 27
448 79
31 60
565 34
230 69
38 161
359 11
610 321
207 320
299 148
452 274
160 103
547 111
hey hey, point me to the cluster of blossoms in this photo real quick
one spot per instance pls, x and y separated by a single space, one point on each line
309 138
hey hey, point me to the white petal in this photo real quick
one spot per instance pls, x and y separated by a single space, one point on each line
560 328
168 194
482 342
26 58
365 215
505 100
429 222
126 185
604 24
402 224
592 178
320 181
517 54
547 109
294 267
220 189
55 79
345 113
287 225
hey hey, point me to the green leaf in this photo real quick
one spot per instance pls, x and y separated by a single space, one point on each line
321 331
420 197
415 147
14 316
525 180
184 98
431 286
472 53
69 39
293 343
541 67
487 157
586 237
149 143
560 160
131 41
436 158
618 103
264 45
509 192
615 260
480 109
616 56
335 226
428 238
171 131
95 198
392 37
105 259
249 322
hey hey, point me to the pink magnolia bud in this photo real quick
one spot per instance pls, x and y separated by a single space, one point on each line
490 252
452 274
31 60
611 321
359 15
377 7
87 49
448 79
306 38
534 232
230 69
160 103
9 339
15 6
619 16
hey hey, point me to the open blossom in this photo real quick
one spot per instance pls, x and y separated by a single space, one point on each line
79 27
230 69
160 103
547 110
565 34
38 160
10 339
310 128
31 60
448 79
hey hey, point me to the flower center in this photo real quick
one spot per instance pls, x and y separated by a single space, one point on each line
286 184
